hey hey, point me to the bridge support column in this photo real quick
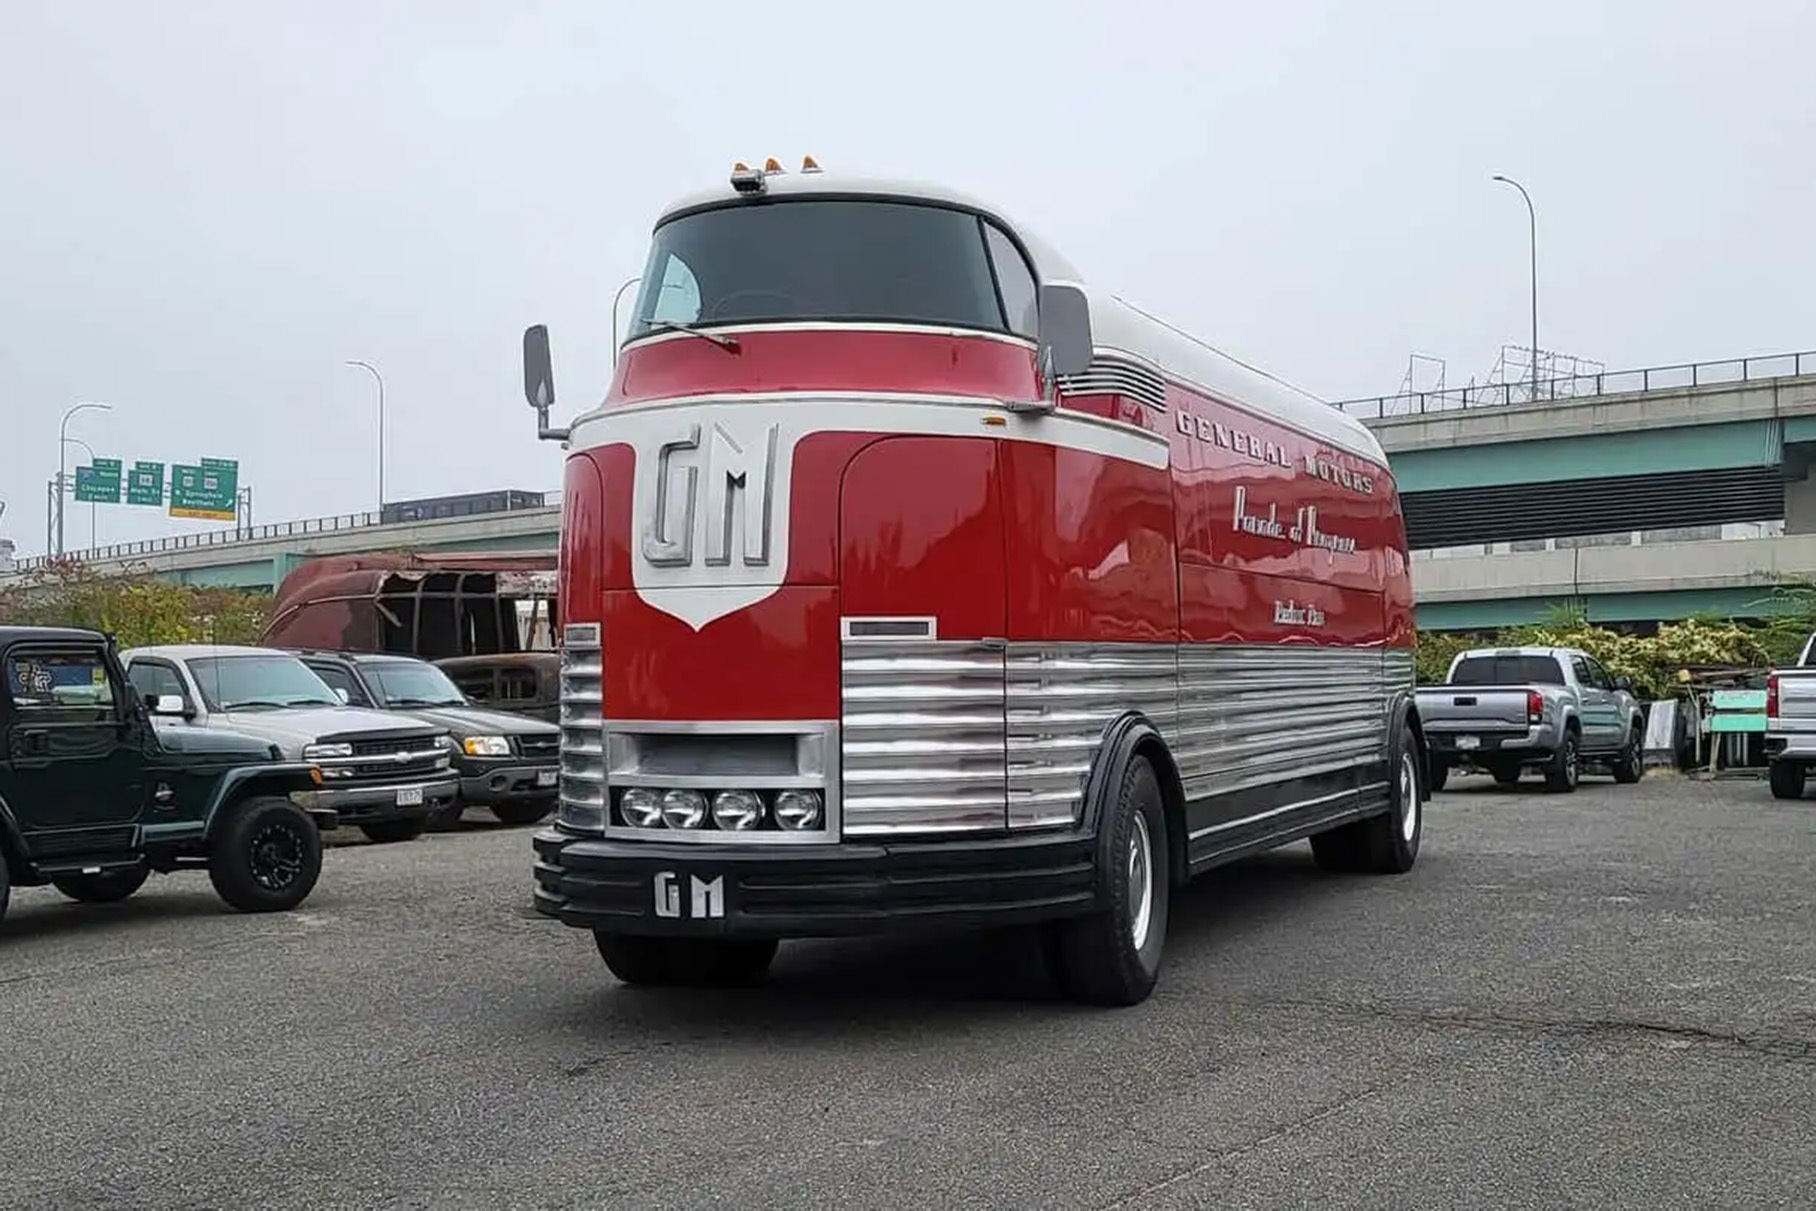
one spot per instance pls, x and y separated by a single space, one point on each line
282 564
1799 488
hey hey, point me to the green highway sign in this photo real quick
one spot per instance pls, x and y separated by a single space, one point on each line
99 483
209 491
145 484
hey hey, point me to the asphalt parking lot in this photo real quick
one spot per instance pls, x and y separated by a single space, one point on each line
1606 999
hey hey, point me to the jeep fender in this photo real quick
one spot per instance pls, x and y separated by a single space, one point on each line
277 779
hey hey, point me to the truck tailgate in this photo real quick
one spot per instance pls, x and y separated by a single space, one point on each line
1460 708
1796 700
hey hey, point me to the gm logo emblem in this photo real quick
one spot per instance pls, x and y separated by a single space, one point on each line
706 898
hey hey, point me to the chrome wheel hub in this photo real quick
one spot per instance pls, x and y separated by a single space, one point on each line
1409 797
1140 882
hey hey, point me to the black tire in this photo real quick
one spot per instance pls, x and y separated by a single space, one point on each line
704 962
391 832
1787 778
523 813
6 884
266 856
1565 769
1439 774
1630 764
448 818
1384 844
107 888
1113 956
1507 775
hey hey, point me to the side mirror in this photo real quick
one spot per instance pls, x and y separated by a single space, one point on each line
170 705
1624 683
341 693
539 380
1065 346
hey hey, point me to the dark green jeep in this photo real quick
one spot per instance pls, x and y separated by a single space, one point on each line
94 796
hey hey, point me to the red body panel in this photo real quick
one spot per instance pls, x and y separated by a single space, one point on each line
1012 539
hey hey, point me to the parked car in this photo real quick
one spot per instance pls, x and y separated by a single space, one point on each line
96 794
507 763
385 774
1791 724
523 683
1503 710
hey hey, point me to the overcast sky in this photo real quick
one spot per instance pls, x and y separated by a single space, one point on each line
207 207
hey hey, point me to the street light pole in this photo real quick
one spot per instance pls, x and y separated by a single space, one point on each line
369 368
1532 220
91 504
63 463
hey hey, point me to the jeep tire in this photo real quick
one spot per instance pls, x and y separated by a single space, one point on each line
266 855
108 888
1112 957
6 883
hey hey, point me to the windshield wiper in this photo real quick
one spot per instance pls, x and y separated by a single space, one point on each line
410 702
719 339
263 703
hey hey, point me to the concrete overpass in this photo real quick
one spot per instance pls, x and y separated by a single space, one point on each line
1734 439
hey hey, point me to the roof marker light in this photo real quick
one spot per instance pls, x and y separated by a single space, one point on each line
747 182
809 164
773 165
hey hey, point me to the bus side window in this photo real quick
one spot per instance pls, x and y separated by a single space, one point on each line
1014 282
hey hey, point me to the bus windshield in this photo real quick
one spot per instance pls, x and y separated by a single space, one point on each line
834 260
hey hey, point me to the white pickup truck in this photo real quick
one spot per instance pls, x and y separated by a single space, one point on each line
1504 709
1791 724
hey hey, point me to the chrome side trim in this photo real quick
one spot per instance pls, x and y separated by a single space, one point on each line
923 746
1111 374
1254 715
582 800
1060 699
1301 805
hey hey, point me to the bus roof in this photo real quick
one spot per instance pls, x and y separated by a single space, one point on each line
1119 328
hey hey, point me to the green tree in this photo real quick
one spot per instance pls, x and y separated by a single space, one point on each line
136 607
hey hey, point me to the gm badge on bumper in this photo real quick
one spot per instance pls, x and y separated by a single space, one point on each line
688 897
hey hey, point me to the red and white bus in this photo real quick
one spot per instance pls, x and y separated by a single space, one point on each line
907 584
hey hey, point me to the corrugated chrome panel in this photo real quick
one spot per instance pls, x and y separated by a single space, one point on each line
922 732
1249 716
1118 376
1060 699
582 729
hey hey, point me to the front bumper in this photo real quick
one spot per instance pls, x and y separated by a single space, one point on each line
508 782
786 891
367 804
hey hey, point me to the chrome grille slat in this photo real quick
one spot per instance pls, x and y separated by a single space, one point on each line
922 736
582 722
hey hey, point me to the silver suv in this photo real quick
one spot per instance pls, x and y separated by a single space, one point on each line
385 774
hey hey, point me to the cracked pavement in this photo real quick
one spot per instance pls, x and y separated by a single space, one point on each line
1599 1000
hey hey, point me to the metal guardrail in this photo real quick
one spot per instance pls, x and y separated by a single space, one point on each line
287 529
1585 386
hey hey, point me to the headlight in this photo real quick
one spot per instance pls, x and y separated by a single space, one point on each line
641 807
736 811
486 746
798 811
683 809
318 752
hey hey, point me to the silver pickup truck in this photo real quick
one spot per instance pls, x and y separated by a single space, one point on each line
1501 710
1791 724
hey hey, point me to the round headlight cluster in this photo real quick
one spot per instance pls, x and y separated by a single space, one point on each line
733 811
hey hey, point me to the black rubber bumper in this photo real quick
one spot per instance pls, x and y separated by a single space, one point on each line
807 892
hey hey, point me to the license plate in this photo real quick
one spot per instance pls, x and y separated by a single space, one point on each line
546 777
1469 742
409 796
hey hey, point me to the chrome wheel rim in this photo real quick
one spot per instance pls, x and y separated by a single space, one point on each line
1570 762
1141 882
1409 797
